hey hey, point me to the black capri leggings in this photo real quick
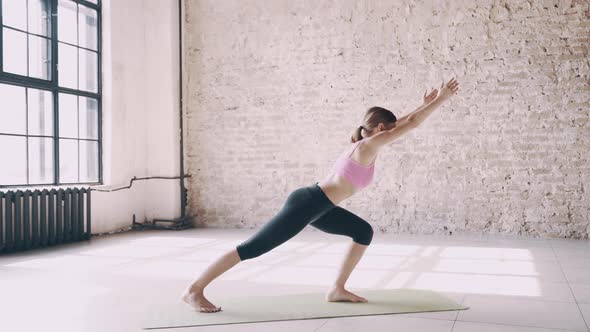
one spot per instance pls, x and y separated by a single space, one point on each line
305 206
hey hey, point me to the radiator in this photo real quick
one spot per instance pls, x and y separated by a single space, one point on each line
40 218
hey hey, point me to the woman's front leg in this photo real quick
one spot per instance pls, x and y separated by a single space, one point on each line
338 292
343 222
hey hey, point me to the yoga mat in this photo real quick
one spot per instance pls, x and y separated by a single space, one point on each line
298 306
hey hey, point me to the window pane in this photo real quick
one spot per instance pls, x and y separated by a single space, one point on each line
88 161
67 26
13 118
68 160
93 1
68 66
15 51
39 17
40 103
68 115
88 24
13 168
40 160
88 114
14 13
88 70
39 57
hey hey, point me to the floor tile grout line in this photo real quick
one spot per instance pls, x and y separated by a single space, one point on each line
458 312
319 327
400 315
463 303
457 320
453 327
515 325
409 315
571 290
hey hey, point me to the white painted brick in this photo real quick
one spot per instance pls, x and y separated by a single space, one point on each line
275 88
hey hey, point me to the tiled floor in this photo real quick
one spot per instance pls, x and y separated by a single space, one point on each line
510 284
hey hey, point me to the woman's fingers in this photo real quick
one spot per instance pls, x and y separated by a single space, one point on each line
430 95
452 85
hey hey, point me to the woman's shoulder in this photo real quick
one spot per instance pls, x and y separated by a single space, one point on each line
367 149
366 144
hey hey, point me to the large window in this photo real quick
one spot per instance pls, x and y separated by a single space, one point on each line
50 92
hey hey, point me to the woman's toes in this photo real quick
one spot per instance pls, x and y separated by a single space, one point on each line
358 298
203 309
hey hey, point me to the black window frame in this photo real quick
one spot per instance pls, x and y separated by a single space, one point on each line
53 86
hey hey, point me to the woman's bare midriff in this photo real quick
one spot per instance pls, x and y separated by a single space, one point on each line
338 188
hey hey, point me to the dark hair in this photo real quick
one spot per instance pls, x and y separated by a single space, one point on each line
373 117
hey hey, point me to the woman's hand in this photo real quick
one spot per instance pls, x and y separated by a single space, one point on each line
449 89
430 97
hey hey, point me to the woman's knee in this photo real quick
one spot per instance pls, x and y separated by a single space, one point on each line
247 250
363 234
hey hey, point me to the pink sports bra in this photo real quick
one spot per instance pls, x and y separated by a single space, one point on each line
359 175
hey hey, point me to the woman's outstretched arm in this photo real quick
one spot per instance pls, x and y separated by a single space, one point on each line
427 99
446 92
413 119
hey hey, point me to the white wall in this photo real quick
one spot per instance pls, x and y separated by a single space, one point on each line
276 88
140 113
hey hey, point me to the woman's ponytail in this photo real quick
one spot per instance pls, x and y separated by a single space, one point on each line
357 136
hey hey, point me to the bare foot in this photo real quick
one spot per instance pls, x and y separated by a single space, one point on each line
339 294
198 301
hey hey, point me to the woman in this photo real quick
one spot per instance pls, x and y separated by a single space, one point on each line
316 204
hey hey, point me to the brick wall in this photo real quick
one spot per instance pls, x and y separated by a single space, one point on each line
274 90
